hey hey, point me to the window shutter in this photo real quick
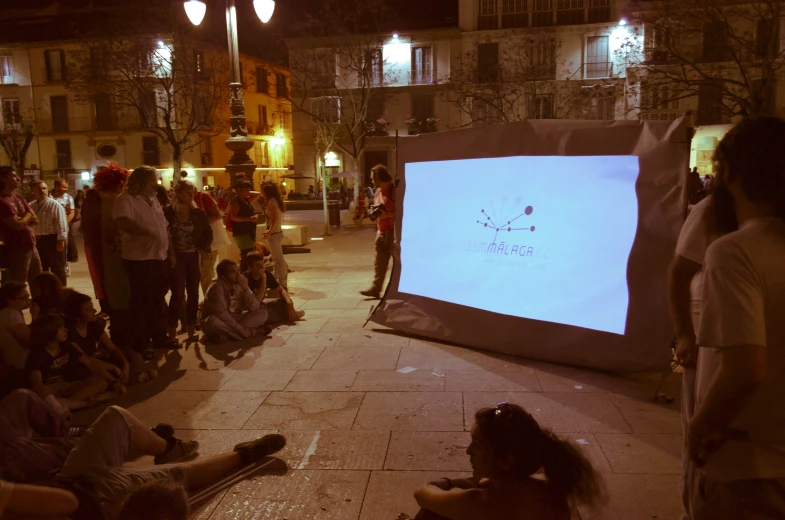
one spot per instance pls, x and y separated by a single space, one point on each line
48 66
63 69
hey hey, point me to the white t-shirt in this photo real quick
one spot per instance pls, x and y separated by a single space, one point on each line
12 352
65 200
153 245
6 490
744 304
695 237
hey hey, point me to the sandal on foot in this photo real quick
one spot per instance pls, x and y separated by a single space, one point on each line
163 430
147 375
258 449
177 451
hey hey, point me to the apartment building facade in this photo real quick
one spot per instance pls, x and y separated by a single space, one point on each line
74 138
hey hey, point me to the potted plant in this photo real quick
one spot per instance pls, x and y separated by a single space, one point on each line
412 123
430 124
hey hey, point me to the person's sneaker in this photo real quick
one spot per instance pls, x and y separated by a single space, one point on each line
68 268
148 375
177 451
371 293
256 450
299 314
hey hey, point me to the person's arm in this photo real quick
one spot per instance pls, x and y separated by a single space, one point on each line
275 217
260 291
40 501
680 276
97 367
129 226
21 331
69 208
14 221
455 503
253 195
62 228
117 355
234 214
248 300
37 384
123 217
219 302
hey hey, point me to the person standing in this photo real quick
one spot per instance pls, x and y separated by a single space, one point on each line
385 237
51 232
737 435
244 218
16 232
191 237
206 203
61 196
273 209
144 249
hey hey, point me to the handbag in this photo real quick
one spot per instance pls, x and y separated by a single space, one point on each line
220 236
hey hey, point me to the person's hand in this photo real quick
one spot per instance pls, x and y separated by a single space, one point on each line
253 218
120 388
60 245
687 351
125 373
173 261
66 414
242 281
702 443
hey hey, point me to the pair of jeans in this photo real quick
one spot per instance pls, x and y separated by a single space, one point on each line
51 259
385 241
275 241
23 264
186 276
277 312
149 285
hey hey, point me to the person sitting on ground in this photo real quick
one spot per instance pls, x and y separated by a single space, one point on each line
48 295
14 332
96 474
507 451
88 332
48 361
230 309
260 281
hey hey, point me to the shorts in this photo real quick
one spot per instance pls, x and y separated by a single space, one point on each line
100 456
753 499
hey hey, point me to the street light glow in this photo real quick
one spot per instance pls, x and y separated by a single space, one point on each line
623 22
264 9
195 9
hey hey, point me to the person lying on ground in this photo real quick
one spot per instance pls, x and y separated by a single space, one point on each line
508 451
48 361
106 489
88 332
260 281
230 309
34 440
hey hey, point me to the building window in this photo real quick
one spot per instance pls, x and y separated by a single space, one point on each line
715 42
262 154
264 123
422 108
202 111
281 89
55 65
325 68
489 17
570 12
151 155
542 13
149 109
602 104
98 62
6 70
710 107
104 116
422 65
262 84
59 106
514 14
11 113
657 41
483 113
63 154
327 109
206 151
598 63
599 11
488 63
200 68
374 68
541 57
540 106
767 38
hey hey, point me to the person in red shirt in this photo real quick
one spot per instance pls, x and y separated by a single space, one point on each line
16 232
385 237
206 203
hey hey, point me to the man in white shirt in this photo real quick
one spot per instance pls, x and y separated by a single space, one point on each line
145 246
737 435
51 232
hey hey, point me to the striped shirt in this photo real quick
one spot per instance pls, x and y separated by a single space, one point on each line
51 218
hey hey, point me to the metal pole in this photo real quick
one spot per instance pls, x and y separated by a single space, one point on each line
324 198
238 143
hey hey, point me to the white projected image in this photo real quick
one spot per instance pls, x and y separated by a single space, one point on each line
545 238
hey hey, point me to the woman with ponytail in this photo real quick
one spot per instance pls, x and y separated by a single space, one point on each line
519 471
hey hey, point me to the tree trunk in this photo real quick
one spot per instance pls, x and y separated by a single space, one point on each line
177 165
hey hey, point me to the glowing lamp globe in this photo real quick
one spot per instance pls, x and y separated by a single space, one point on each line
195 9
264 9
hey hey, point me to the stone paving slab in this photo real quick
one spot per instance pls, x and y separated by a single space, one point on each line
370 414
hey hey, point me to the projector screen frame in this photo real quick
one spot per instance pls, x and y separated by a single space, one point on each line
662 149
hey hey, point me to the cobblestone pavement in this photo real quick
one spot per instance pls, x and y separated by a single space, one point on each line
363 435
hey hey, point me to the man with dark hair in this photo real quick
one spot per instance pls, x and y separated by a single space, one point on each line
737 435
230 309
260 281
385 237
16 232
51 232
145 249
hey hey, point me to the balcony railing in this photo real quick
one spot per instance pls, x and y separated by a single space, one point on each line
660 115
515 20
577 16
654 55
423 76
570 16
599 14
540 72
487 22
53 75
602 69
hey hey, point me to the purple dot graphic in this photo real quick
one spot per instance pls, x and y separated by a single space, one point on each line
482 210
509 229
532 228
485 225
508 222
529 210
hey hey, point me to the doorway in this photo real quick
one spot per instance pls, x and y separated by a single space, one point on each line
371 160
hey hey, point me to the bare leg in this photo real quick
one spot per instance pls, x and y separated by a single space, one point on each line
83 390
143 439
203 472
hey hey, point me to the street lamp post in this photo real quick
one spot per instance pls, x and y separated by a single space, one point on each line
238 143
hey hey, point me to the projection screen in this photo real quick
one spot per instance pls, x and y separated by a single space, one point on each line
543 239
